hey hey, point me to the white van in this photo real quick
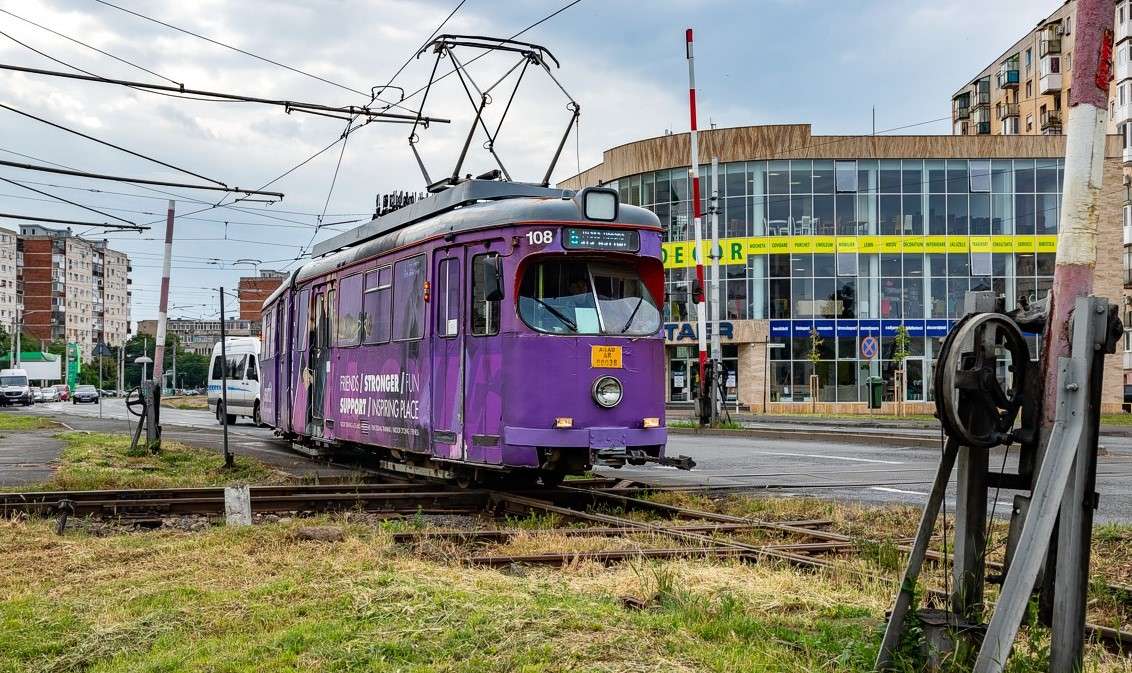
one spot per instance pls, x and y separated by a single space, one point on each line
14 387
243 380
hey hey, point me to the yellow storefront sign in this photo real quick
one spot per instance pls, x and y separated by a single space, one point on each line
682 254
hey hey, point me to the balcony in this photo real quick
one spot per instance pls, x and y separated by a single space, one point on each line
1008 77
1006 110
1050 83
960 111
978 128
1051 122
1127 360
1123 29
1127 237
1049 46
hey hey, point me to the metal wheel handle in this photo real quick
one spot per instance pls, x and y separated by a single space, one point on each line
134 402
970 401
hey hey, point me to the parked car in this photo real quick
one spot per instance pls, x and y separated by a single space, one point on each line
63 390
107 392
85 394
50 394
37 394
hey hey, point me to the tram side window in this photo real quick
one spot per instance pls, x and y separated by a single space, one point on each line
376 304
485 313
448 298
350 311
408 298
301 318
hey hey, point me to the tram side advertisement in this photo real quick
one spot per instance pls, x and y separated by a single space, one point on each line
381 402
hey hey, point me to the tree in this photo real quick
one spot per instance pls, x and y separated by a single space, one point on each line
814 356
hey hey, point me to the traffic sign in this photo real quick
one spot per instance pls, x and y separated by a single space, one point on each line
869 347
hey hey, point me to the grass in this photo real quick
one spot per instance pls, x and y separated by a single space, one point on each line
16 422
1116 419
257 599
105 461
186 402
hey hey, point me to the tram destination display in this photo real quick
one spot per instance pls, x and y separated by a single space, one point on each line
626 240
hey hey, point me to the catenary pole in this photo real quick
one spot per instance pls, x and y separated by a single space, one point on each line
713 300
163 308
697 225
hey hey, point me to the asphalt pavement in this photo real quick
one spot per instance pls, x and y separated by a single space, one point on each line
898 467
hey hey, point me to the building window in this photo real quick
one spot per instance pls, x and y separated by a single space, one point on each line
1029 88
1029 123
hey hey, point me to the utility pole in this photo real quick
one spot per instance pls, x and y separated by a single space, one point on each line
697 224
713 301
224 382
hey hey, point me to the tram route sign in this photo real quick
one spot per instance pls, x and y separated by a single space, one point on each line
618 240
869 347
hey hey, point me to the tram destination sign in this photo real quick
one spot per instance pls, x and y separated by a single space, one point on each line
618 240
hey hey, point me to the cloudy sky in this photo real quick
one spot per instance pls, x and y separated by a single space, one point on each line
758 62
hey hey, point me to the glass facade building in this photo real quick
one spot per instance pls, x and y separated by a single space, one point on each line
829 252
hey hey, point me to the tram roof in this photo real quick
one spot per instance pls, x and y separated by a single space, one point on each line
469 206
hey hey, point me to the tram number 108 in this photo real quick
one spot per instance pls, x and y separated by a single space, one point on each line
543 237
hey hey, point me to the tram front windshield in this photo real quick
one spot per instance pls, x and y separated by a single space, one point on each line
577 297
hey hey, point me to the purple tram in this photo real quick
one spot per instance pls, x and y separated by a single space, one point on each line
494 329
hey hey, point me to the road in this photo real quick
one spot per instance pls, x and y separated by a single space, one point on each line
786 467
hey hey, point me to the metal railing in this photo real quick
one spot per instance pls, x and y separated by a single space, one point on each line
1006 110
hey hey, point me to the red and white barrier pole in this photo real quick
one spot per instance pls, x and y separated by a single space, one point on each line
159 349
1084 168
697 225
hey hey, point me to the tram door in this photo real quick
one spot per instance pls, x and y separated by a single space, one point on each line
448 355
322 308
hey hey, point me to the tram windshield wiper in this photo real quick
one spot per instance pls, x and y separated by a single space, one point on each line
640 300
557 314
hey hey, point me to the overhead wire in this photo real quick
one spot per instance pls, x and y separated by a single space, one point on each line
109 144
88 46
350 128
234 48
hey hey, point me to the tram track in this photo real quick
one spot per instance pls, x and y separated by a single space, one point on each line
701 535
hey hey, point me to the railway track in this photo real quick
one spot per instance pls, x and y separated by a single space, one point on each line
701 535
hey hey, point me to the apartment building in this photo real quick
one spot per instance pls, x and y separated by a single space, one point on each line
1026 89
252 290
199 336
9 289
73 289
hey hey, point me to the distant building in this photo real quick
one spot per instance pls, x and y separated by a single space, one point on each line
9 289
198 336
252 290
74 289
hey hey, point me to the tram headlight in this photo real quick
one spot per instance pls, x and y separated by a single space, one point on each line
607 392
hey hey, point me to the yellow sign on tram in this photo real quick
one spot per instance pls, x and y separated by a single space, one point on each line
605 357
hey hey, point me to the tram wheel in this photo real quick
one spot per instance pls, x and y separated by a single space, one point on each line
464 480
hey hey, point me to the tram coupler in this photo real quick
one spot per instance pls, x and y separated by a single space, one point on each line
618 457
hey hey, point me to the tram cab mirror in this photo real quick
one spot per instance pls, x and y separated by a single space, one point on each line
493 278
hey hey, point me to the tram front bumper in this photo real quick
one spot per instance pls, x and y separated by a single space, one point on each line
592 438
